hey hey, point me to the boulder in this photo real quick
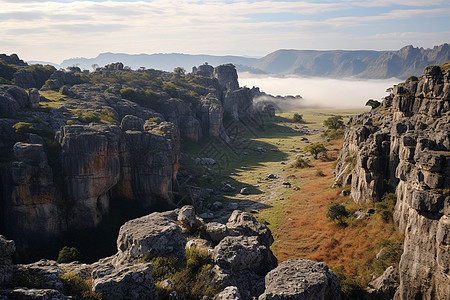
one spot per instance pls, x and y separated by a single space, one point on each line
34 98
17 93
130 122
244 223
385 286
47 271
301 279
239 253
8 106
127 282
227 77
24 79
152 232
203 70
7 249
216 231
187 217
229 293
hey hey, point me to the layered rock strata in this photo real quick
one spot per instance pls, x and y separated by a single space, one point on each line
405 145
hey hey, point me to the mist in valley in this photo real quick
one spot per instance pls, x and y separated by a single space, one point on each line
319 92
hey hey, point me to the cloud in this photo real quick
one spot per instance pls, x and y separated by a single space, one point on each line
321 92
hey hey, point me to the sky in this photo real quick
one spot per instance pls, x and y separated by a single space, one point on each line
51 30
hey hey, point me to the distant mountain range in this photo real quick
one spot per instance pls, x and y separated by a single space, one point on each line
403 63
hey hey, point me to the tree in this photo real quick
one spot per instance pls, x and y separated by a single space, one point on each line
337 212
94 67
179 71
315 149
373 103
68 254
334 122
298 118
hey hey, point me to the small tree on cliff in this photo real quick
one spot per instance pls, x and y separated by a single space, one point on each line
373 103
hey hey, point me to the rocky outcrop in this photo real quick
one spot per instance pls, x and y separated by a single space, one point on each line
301 279
61 78
154 233
229 293
7 249
406 145
24 79
14 98
13 59
211 116
227 77
127 282
385 286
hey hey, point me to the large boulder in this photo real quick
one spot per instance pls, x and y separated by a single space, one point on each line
47 271
229 293
24 79
130 122
7 249
244 223
238 253
227 76
17 93
127 282
8 106
384 287
303 280
34 98
152 232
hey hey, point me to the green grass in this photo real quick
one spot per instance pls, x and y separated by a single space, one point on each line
55 99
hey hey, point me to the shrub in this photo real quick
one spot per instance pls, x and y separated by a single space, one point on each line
68 254
76 286
373 103
385 208
170 89
315 149
298 118
24 127
334 122
89 117
108 117
69 122
412 78
154 119
301 163
337 212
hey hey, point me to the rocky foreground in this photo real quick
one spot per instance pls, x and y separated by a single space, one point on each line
244 266
405 145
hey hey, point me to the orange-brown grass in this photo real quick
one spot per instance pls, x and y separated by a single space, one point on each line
307 233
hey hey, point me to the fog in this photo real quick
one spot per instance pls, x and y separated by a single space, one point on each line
321 92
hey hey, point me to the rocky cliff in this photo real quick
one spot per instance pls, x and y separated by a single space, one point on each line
405 145
100 138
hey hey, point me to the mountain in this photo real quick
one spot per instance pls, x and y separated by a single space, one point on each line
407 61
403 63
159 61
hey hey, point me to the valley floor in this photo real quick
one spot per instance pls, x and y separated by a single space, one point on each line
296 213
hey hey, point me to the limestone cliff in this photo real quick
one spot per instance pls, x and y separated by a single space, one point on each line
405 144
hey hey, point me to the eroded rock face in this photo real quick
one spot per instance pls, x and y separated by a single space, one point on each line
229 293
385 286
227 76
212 116
153 232
7 249
24 79
406 145
301 279
127 282
244 223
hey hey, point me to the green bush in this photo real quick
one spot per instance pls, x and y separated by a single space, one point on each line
385 208
334 122
337 212
170 89
89 117
298 118
373 103
412 78
69 122
68 254
315 149
78 287
301 163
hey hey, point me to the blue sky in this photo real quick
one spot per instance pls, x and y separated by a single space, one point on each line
56 30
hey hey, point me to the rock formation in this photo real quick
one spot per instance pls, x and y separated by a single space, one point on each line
405 145
301 279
